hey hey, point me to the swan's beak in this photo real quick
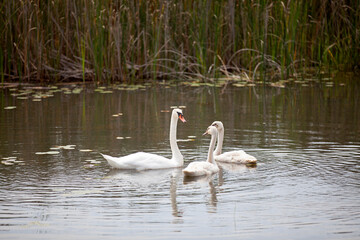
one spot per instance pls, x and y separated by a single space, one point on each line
205 133
181 117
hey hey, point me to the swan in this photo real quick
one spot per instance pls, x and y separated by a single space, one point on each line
143 161
209 167
236 156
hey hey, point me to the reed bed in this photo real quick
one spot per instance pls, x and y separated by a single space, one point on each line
129 41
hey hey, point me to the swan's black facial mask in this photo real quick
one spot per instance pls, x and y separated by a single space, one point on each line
181 117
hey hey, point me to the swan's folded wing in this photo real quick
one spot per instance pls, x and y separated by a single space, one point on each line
238 156
200 168
139 161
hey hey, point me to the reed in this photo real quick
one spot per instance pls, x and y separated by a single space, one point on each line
129 41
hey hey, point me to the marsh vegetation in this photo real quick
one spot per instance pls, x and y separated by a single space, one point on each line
131 41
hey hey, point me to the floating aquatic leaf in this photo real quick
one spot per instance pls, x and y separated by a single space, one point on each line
22 98
239 85
36 100
40 153
77 90
277 84
127 137
55 91
7 163
18 161
9 107
49 153
52 152
68 147
173 106
120 138
93 161
164 111
108 91
182 106
85 150
191 136
194 84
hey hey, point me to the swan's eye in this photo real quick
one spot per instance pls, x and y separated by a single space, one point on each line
215 125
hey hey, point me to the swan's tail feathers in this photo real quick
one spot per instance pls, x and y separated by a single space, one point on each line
110 160
189 173
192 173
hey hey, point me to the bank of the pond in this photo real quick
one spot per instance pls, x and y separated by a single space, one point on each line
125 41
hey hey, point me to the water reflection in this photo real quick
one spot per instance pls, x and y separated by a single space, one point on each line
305 184
142 178
201 180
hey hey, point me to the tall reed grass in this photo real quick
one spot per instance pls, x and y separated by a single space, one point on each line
127 41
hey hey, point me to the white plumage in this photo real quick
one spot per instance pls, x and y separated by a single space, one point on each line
236 156
209 167
143 161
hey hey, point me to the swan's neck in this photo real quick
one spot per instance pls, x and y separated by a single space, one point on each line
210 158
218 149
176 154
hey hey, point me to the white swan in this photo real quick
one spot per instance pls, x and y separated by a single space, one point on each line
143 161
236 156
209 167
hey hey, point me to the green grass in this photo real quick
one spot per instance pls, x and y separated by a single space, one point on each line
131 41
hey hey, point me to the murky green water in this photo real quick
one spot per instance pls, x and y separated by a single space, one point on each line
306 184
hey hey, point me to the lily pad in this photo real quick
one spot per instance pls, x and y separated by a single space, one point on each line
9 107
85 150
105 92
93 161
47 153
77 90
7 163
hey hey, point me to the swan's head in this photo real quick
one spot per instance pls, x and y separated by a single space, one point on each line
211 131
177 112
219 125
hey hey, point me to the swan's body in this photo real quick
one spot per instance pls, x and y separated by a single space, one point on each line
209 167
236 156
143 161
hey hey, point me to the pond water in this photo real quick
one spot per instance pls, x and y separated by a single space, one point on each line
306 184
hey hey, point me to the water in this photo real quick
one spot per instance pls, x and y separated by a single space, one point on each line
306 184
